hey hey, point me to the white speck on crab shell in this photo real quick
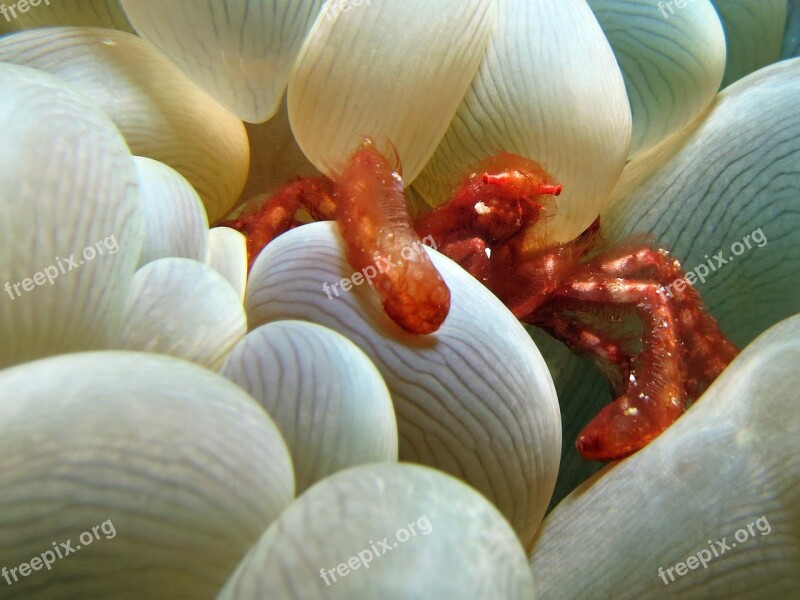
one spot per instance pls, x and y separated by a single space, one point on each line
482 209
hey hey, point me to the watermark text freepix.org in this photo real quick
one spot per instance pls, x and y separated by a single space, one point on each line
664 6
700 272
382 264
715 550
342 6
60 550
65 265
23 6
376 550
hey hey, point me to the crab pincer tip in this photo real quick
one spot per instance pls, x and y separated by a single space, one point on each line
553 190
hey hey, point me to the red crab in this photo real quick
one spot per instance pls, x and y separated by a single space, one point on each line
660 350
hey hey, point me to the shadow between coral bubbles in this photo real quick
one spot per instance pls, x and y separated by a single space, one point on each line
582 392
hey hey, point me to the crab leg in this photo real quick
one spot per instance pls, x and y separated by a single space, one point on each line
372 215
366 199
655 395
278 213
580 339
705 350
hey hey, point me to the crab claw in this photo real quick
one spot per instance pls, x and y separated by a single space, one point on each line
381 244
626 425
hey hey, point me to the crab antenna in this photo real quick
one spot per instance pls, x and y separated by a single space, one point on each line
502 178
553 190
